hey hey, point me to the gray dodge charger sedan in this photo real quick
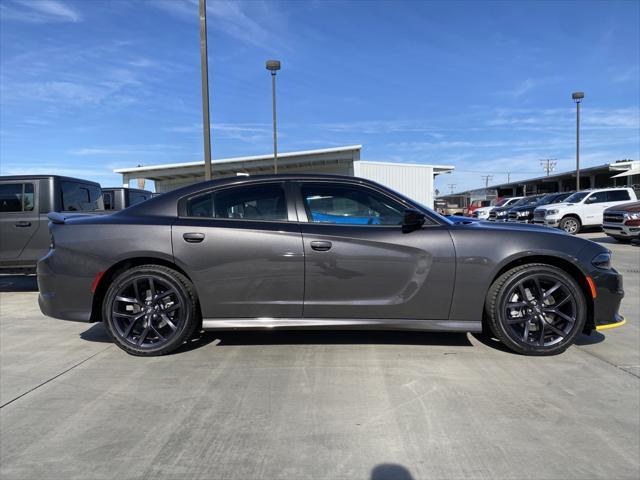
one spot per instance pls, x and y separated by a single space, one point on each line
318 251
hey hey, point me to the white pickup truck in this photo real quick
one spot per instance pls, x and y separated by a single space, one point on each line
584 208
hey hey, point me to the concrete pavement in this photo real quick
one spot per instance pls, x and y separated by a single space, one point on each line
315 404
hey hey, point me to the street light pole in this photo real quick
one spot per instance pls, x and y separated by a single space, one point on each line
273 66
577 97
204 66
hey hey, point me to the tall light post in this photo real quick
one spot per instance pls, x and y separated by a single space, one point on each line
204 67
577 97
273 66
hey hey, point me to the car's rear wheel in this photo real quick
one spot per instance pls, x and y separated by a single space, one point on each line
536 309
571 225
150 310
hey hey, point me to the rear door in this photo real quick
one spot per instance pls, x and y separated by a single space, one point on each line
19 218
242 247
360 264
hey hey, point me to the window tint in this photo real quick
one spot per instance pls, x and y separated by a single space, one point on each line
137 197
576 197
618 195
16 197
350 205
257 202
108 200
598 197
81 197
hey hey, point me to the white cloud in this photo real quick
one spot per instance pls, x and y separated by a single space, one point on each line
39 11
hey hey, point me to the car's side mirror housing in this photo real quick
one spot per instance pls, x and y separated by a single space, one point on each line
413 219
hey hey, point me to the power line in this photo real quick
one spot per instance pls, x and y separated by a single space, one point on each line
451 186
548 165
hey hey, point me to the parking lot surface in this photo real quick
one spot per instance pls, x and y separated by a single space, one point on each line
316 404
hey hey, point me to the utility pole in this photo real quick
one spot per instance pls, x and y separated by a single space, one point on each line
204 67
548 165
577 98
508 177
273 66
487 179
451 187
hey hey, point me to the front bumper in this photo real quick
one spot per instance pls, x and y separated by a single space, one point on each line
621 230
609 294
549 222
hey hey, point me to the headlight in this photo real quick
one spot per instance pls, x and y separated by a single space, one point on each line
501 214
633 216
523 214
552 212
602 260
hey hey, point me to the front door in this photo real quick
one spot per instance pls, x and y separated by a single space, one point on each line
360 264
243 250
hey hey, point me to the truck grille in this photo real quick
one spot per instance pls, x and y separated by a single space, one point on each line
538 214
492 215
613 217
513 216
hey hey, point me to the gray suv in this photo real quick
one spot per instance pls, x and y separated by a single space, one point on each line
25 202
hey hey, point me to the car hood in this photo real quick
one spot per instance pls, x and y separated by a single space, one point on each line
484 209
555 205
524 208
511 226
625 207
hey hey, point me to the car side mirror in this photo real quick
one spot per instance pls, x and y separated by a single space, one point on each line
590 200
413 219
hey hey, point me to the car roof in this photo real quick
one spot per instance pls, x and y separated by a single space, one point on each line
42 177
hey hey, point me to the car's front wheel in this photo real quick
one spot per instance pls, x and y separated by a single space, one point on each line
536 309
571 225
150 310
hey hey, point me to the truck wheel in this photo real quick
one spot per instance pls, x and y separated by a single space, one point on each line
570 225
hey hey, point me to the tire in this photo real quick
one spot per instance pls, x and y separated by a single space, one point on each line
571 225
159 314
528 325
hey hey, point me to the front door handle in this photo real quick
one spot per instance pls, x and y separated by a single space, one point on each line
23 224
193 237
321 246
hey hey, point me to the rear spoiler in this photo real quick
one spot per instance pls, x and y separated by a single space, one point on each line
61 218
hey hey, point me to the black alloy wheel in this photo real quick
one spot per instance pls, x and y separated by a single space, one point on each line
536 309
150 310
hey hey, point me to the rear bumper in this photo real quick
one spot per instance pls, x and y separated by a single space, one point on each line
63 295
609 294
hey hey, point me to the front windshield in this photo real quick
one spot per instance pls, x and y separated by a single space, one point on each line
532 200
521 202
576 197
502 202
546 199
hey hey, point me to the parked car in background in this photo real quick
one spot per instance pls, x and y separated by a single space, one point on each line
499 214
320 251
474 205
524 213
584 208
622 222
119 198
24 204
482 213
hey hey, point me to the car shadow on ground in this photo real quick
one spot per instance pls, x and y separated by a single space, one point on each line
336 337
18 283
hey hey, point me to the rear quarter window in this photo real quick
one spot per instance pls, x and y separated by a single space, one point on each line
618 195
81 197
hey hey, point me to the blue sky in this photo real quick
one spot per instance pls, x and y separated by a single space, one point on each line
89 86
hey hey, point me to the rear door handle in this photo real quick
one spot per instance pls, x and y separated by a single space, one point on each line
193 237
23 224
321 246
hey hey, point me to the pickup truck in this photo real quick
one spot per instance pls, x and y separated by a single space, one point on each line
584 208
483 213
622 222
25 202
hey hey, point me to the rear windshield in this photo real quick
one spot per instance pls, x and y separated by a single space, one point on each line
81 197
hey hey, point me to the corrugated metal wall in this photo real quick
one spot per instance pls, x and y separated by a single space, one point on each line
414 181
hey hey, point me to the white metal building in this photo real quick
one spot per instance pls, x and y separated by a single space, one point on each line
413 180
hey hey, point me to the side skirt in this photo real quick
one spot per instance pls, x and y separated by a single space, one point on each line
337 323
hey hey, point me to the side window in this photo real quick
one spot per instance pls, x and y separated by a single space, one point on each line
136 197
349 205
108 200
618 195
16 197
597 197
253 202
80 197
